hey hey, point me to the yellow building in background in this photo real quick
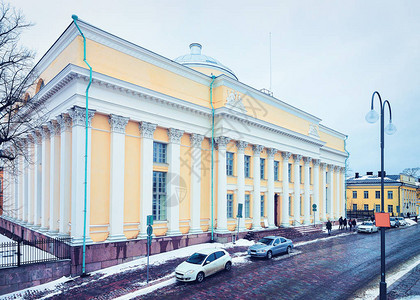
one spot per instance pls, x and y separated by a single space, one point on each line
401 194
150 148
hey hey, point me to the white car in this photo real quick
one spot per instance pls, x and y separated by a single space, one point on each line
367 226
402 221
202 264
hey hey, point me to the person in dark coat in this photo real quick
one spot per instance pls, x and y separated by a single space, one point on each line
340 222
354 223
350 223
329 227
345 223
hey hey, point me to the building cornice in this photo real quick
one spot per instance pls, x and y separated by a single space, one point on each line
334 151
332 132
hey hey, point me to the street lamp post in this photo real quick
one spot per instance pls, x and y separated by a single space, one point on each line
371 117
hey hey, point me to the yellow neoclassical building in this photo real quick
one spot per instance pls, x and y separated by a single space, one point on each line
401 193
150 148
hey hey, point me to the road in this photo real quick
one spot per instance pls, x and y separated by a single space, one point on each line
331 269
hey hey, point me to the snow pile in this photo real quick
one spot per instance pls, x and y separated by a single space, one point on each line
410 222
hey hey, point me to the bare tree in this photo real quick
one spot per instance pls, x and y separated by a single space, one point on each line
411 171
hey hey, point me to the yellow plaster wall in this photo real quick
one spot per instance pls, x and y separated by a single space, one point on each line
185 183
332 141
372 201
100 175
161 135
205 212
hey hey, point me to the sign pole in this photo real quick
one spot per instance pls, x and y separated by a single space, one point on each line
314 210
239 216
149 241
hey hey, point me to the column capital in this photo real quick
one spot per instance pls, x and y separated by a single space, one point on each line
78 115
118 123
196 140
286 155
323 166
36 136
241 145
297 158
271 152
337 169
53 127
147 129
222 142
175 135
257 149
330 167
64 121
316 162
343 170
307 160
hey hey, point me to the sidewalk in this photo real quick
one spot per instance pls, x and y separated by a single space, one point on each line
407 287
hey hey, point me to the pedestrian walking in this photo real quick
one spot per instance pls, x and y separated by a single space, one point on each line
354 224
345 223
350 223
329 227
340 223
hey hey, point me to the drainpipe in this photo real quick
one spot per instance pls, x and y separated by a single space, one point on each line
75 18
212 151
345 172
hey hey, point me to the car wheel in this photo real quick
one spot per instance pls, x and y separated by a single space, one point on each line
200 277
228 266
269 255
289 250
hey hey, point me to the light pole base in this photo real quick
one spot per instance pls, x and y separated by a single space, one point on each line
382 290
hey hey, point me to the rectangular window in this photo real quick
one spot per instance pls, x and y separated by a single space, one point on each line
354 206
289 172
159 196
247 206
310 175
262 167
354 194
366 194
390 195
300 174
247 163
377 194
229 163
366 207
159 152
276 170
229 206
398 209
377 208
262 205
390 208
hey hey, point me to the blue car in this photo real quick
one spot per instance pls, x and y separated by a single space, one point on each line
269 246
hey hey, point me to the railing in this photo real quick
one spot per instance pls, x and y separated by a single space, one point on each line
360 213
22 252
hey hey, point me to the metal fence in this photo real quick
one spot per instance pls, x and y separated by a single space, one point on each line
22 252
360 214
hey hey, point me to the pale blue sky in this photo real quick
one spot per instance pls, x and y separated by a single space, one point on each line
328 57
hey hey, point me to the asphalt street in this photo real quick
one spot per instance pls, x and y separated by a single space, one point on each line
330 269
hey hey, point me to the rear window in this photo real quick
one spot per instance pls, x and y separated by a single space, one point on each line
265 241
196 258
219 254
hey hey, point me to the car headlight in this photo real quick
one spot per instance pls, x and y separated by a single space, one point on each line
189 272
261 251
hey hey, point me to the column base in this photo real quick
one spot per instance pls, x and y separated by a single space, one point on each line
285 224
78 241
272 227
256 227
195 231
222 231
173 233
296 223
63 235
242 229
43 229
116 238
53 233
307 223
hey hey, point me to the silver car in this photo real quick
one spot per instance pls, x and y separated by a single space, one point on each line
269 246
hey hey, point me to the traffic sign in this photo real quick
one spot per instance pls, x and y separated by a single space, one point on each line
149 240
314 206
149 230
150 220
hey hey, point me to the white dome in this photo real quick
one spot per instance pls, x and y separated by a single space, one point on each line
196 59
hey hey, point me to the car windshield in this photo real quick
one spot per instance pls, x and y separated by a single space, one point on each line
367 223
392 219
196 258
265 241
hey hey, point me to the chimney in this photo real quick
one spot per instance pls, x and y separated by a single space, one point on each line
356 175
369 173
379 173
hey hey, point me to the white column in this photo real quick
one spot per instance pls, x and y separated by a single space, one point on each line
222 142
17 190
270 187
315 191
116 209
285 195
241 145
343 191
174 171
65 173
338 194
21 183
296 198
324 193
54 129
37 180
146 174
195 198
78 175
31 179
45 177
256 212
25 180
331 191
306 197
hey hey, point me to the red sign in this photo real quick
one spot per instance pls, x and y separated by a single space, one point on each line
382 220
